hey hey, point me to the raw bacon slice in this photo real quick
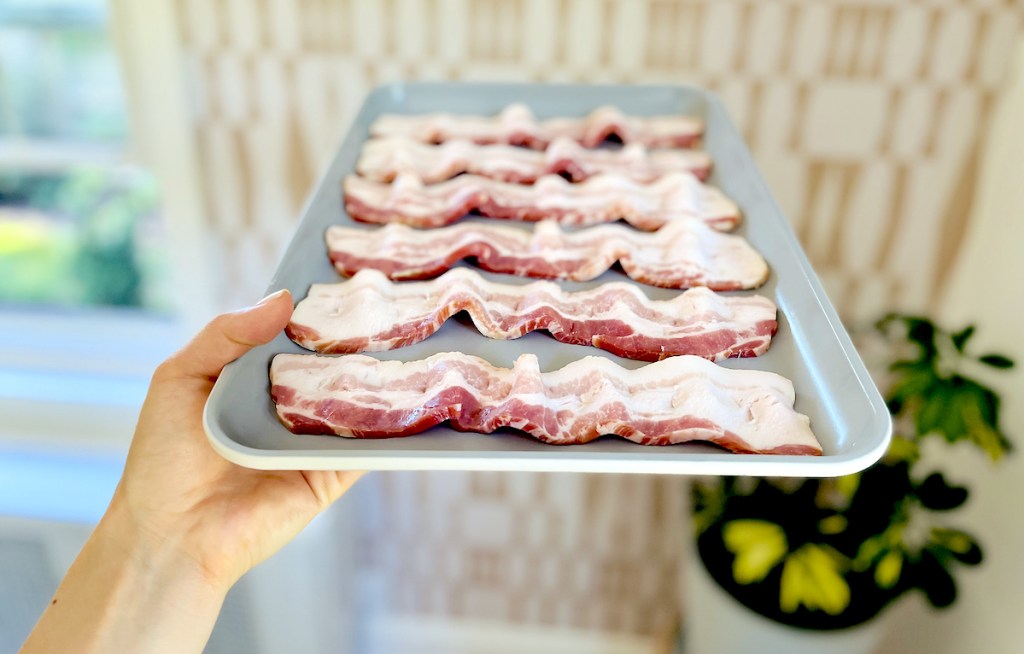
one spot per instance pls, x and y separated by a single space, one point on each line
682 254
600 199
384 158
516 125
673 401
369 313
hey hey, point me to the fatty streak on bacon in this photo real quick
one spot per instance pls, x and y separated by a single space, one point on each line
383 159
516 125
600 199
682 254
369 313
673 401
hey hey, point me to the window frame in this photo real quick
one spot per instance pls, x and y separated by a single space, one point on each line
49 355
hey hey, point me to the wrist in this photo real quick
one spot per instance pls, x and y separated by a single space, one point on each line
162 554
129 591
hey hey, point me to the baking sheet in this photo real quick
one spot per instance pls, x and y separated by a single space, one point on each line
811 347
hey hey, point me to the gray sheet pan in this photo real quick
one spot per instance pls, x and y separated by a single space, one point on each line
812 348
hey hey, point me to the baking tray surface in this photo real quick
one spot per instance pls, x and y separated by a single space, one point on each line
811 347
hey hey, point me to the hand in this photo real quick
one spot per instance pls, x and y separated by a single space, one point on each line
184 524
178 491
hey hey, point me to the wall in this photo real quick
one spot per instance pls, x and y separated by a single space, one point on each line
986 289
866 118
585 552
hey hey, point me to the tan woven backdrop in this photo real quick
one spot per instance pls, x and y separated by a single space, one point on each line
864 116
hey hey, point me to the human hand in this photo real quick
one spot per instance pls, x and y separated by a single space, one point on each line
184 524
179 492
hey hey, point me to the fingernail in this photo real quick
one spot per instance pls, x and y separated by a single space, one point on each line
272 297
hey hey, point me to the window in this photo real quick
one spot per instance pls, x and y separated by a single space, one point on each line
79 222
85 297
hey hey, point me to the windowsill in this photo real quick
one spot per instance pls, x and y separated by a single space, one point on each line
57 486
77 377
71 385
54 155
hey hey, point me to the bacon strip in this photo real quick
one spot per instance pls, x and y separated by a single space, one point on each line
600 199
369 313
516 125
384 158
682 254
673 401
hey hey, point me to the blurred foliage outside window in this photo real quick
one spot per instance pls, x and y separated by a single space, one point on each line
79 224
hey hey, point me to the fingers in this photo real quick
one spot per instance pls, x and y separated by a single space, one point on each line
229 336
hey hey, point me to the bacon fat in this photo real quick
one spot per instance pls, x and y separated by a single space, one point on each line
516 125
681 254
383 159
370 313
673 401
600 199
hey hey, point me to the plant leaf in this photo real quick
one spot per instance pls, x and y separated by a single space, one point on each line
982 432
959 544
936 494
832 525
996 361
811 580
886 320
903 449
708 502
912 381
932 577
961 337
931 415
952 423
868 551
791 585
758 545
922 332
887 573
848 484
826 581
985 398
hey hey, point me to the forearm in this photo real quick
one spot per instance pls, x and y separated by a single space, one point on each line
127 592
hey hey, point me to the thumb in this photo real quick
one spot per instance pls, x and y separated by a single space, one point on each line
229 336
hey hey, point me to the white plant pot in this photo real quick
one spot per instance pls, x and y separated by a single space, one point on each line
715 623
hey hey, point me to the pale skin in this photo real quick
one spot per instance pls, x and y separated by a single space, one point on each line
184 524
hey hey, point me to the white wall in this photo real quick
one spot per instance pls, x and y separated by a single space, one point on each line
988 289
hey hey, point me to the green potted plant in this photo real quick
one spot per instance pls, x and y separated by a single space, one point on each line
832 554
